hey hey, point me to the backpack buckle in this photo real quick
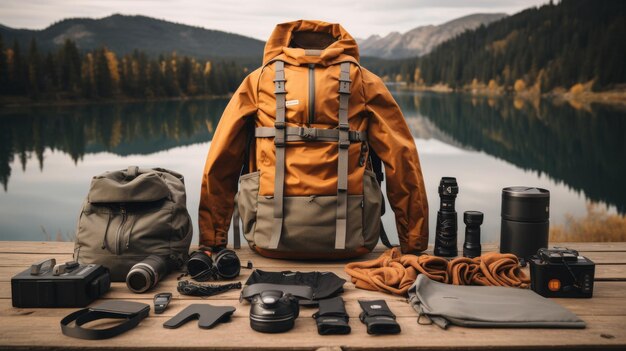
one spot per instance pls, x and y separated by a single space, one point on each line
344 86
308 133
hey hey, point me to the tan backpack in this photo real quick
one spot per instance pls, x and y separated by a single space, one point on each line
130 214
303 127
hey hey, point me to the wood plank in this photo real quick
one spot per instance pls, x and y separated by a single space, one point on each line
603 272
38 328
610 290
601 332
53 247
597 306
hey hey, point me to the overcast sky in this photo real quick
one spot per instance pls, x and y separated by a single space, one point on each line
257 18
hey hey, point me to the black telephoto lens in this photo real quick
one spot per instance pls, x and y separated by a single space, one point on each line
473 220
446 231
146 274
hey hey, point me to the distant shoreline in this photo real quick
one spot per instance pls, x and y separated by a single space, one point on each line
616 97
12 102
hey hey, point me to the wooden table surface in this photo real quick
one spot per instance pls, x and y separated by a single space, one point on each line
23 328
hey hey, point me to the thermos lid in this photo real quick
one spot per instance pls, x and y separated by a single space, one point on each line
525 191
525 204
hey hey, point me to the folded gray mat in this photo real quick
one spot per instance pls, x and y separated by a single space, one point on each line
487 306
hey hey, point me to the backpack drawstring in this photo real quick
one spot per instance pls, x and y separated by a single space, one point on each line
106 231
130 231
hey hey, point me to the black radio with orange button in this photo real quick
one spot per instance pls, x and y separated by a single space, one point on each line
561 272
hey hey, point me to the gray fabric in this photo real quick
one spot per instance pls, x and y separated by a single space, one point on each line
236 229
246 203
342 162
487 306
279 142
309 226
118 229
310 134
123 187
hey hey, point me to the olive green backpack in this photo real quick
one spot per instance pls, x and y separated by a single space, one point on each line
131 214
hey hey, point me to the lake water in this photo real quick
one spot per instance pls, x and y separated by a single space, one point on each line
49 154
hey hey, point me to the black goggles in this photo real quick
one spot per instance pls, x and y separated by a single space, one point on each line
207 265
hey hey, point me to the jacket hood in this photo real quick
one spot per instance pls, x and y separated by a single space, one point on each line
343 48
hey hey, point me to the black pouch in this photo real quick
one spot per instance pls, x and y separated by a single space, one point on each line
323 285
332 317
378 317
131 312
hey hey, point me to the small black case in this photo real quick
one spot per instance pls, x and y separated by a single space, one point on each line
561 273
76 287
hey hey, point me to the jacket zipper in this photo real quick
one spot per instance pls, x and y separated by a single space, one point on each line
311 93
118 246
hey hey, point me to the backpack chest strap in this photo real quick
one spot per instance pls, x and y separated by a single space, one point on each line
310 134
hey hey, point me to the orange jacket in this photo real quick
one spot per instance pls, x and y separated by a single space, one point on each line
371 109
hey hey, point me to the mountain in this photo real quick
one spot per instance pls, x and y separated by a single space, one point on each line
421 40
552 46
122 34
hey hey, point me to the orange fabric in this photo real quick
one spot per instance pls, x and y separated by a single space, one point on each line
501 270
394 273
311 168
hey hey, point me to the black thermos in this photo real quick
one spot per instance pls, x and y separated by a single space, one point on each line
525 220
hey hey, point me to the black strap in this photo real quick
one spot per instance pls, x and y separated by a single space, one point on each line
378 317
207 315
332 317
86 315
377 167
383 234
299 291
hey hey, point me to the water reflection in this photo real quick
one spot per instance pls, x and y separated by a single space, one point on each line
584 148
486 143
123 129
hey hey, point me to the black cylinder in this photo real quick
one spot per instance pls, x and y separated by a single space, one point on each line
473 220
146 274
446 228
525 220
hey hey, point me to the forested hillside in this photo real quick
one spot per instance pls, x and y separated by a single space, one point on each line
123 34
556 45
69 74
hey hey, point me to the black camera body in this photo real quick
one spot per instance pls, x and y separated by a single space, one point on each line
560 272
46 284
273 312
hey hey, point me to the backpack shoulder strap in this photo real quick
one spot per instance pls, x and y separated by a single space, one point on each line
342 163
280 144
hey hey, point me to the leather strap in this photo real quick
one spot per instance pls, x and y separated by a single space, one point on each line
310 134
342 162
280 144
